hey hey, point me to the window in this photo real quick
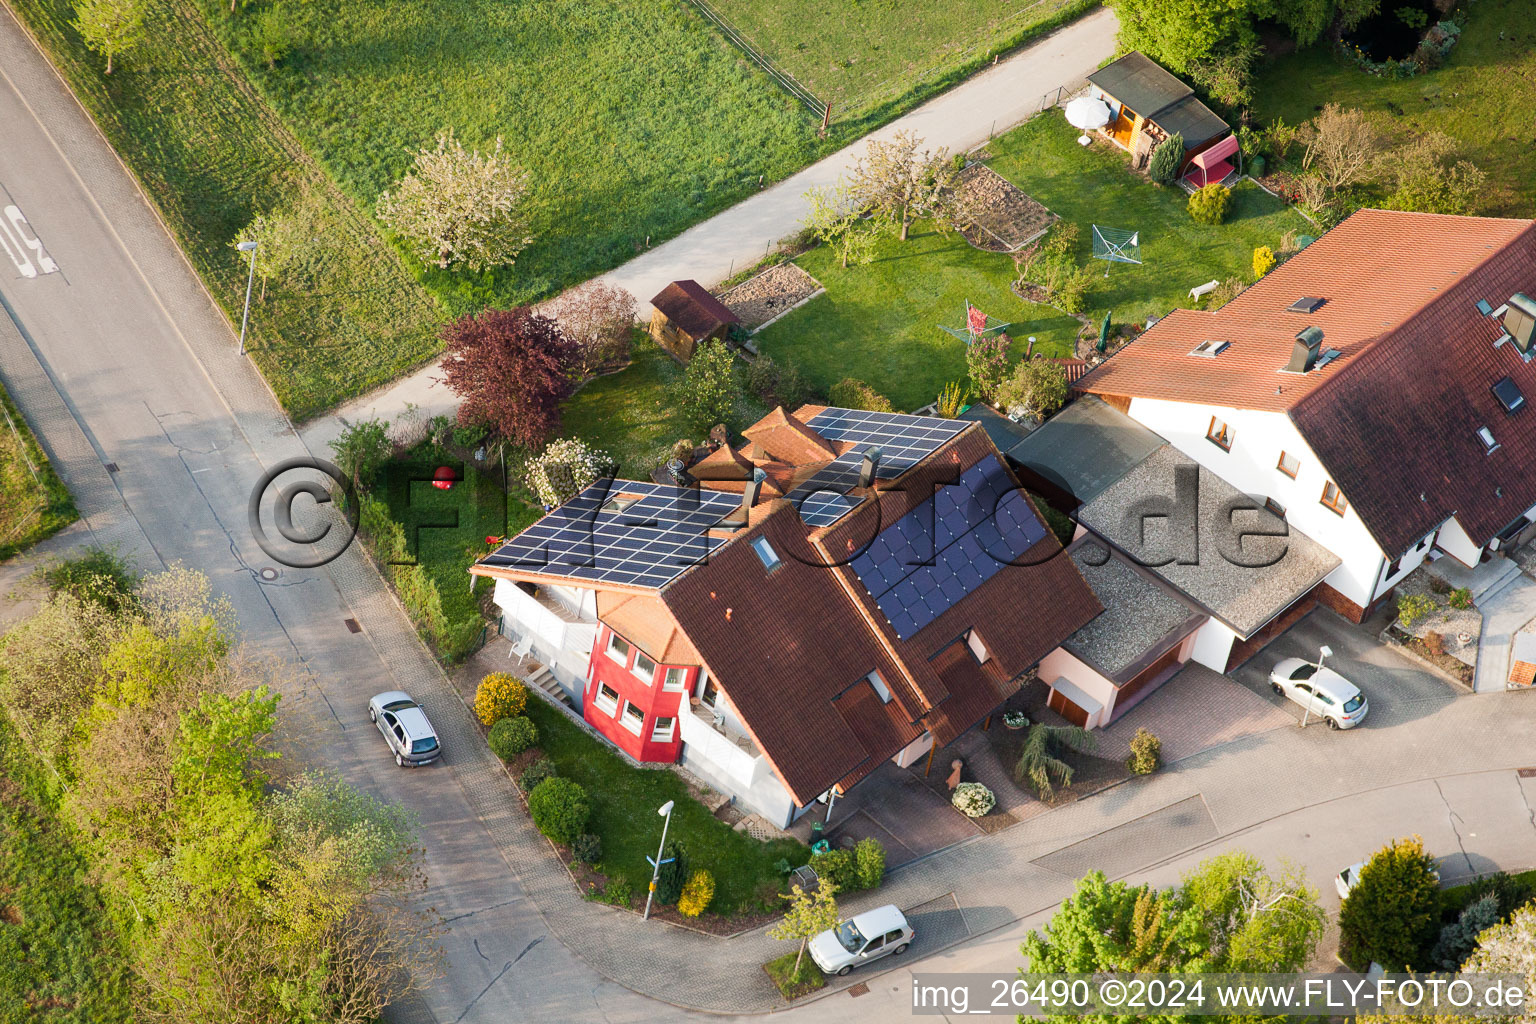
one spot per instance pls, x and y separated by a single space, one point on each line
676 680
1275 507
1486 436
633 718
1219 434
662 731
878 683
607 698
765 552
1290 465
710 694
618 648
1333 498
645 668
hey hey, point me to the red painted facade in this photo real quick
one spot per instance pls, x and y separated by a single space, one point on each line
619 698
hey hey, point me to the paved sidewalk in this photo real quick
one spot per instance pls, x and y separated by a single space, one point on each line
960 119
1505 613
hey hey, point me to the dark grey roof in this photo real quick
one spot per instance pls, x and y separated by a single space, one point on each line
1140 83
1192 119
1085 447
1142 615
1003 431
1245 597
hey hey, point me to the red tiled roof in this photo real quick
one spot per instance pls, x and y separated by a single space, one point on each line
724 463
692 309
785 437
1523 673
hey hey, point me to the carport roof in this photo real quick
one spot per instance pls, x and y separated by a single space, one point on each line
1086 447
1170 508
1142 617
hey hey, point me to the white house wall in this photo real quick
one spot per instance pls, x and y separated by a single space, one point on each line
1213 645
1454 541
1258 438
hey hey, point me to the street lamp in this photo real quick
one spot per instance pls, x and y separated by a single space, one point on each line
665 810
249 247
1322 652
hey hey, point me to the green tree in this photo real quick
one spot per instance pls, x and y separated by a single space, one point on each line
1036 386
1180 33
834 220
898 182
1390 914
362 449
1038 762
707 391
1428 181
110 27
987 360
672 875
808 915
1163 165
1251 921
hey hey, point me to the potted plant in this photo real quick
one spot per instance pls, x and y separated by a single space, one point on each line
1015 720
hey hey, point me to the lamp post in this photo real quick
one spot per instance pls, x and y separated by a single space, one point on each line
1322 652
665 810
245 318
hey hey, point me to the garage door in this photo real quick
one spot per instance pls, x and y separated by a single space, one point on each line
1066 709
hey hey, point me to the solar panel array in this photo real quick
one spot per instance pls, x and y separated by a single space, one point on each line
927 561
903 440
647 543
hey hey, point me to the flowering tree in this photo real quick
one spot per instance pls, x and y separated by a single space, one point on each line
511 368
564 468
599 318
459 205
809 914
898 181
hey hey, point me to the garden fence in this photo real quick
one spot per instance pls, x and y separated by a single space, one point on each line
786 81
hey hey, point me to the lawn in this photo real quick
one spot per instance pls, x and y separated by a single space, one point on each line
624 802
1096 186
885 53
879 322
34 503
60 959
634 118
1482 98
793 984
445 532
211 155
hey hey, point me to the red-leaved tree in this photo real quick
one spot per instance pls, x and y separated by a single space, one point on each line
511 368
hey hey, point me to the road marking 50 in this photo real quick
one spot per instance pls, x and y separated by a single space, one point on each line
19 240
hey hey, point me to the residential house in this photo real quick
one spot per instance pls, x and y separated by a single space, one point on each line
843 589
1372 388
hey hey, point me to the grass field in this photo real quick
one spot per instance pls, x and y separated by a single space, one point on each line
624 802
34 502
211 155
634 117
1483 97
871 54
60 960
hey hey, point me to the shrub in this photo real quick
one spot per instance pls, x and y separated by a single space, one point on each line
697 892
1461 597
560 472
512 736
362 449
1413 607
869 863
1208 205
987 361
973 800
588 848
672 876
272 35
99 576
1036 386
535 773
1391 912
707 391
1434 642
500 695
618 893
1511 890
849 393
952 399
1163 166
1458 939
763 376
1438 585
1263 261
559 809
838 868
1146 753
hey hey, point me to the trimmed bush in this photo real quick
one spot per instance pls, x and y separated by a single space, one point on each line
1163 165
559 809
855 394
869 863
697 892
672 876
499 696
536 773
1208 205
588 848
1146 753
836 867
973 800
511 736
1263 261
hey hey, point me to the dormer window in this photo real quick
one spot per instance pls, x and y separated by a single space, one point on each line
1489 444
765 553
881 690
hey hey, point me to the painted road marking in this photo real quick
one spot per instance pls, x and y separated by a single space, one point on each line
18 240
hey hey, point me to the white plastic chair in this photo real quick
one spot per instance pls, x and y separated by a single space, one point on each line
521 647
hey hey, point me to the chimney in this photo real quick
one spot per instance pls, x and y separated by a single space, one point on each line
1520 321
869 467
749 493
1304 355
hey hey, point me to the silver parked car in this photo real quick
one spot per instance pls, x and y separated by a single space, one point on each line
405 728
869 936
1322 691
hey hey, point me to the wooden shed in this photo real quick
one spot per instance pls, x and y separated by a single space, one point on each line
687 314
1147 105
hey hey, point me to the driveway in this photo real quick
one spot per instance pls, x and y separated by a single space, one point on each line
1399 690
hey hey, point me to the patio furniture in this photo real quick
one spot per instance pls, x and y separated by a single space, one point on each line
1215 163
1201 290
521 647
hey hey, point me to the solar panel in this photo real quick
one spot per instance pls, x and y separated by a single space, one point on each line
646 543
923 564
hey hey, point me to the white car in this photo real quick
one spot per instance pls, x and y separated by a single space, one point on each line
1345 880
1322 691
406 729
869 936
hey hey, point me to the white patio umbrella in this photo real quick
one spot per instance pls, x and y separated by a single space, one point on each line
1087 113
